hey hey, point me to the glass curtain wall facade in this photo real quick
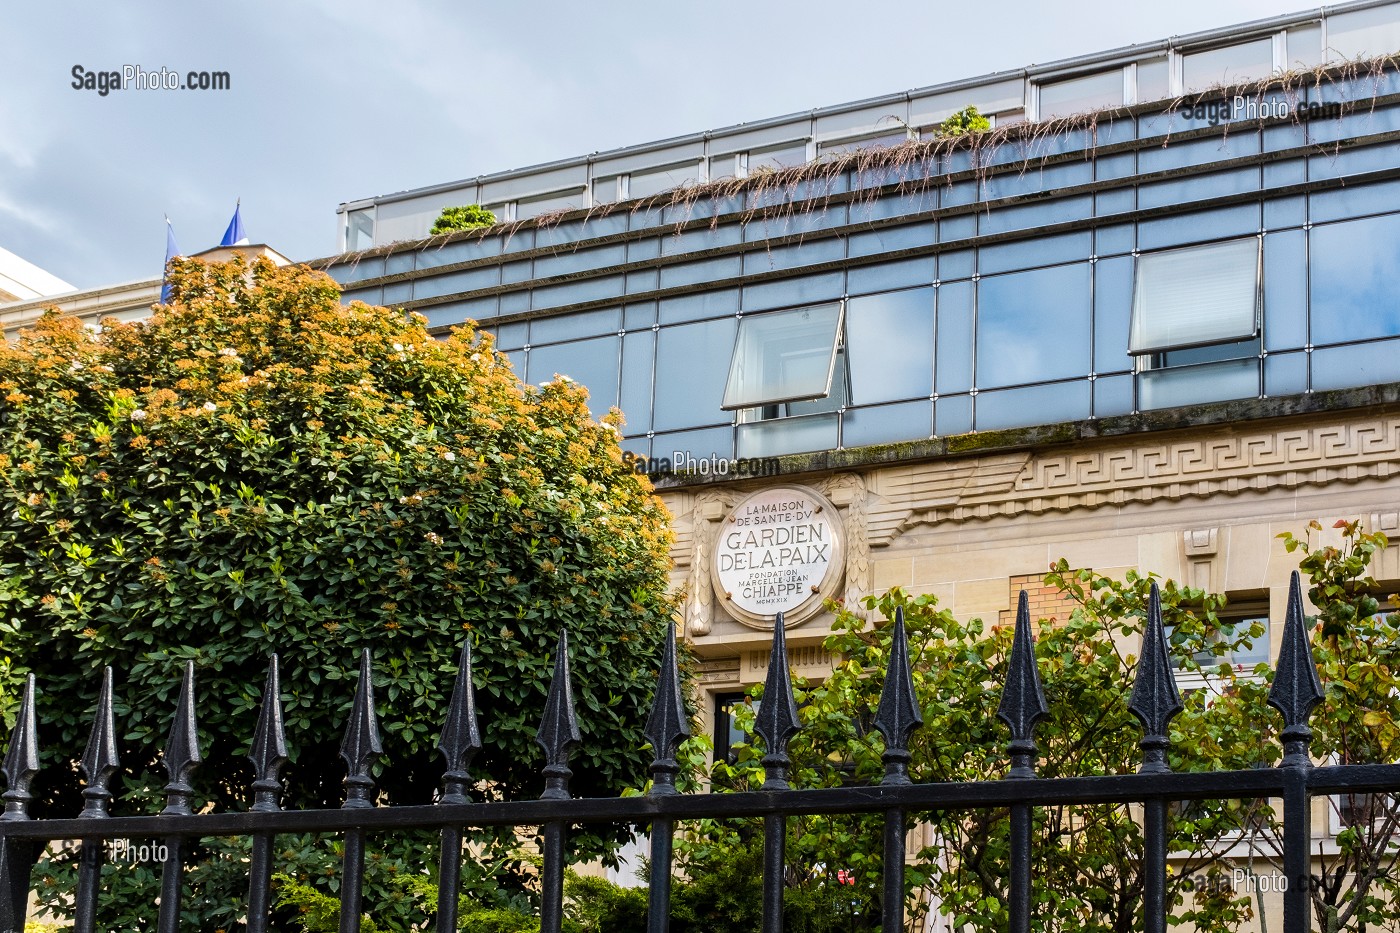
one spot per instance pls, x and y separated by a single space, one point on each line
1154 257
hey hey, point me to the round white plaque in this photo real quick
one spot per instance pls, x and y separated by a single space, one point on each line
778 551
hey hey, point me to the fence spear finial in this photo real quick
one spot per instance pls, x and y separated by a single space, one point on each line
1022 699
22 758
461 737
1296 689
667 725
100 760
898 714
1155 699
269 750
777 720
182 749
558 732
361 743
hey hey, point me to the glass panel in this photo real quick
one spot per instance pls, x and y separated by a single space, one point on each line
778 158
638 316
956 265
1355 266
699 305
550 204
889 343
1231 64
398 262
1198 188
888 239
634 398
692 361
1199 151
1113 395
840 147
359 230
1198 295
396 293
513 272
645 280
1058 210
1354 201
1033 326
1363 33
685 451
887 424
889 275
1285 374
1285 291
1203 225
512 336
461 251
577 292
1113 310
954 347
952 415
804 290
1040 251
591 363
1360 365
722 167
1082 95
574 326
1118 238
783 357
655 181
1284 212
1304 47
572 260
706 270
787 436
1019 408
1153 80
466 281
478 309
515 302
690 241
370 267
808 253
1191 385
605 190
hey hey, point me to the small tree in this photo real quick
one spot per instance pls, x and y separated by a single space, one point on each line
466 217
259 468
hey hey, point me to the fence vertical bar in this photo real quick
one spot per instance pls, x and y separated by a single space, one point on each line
1022 706
557 735
268 753
181 757
667 726
359 748
1154 701
99 764
897 716
17 856
459 742
1295 692
776 723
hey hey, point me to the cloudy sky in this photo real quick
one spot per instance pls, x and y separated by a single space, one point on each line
333 100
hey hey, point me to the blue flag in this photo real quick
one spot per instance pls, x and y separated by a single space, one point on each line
234 235
171 251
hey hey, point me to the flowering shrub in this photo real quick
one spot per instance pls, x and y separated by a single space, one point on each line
259 468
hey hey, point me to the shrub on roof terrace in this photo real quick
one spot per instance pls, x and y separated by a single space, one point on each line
467 217
967 121
259 468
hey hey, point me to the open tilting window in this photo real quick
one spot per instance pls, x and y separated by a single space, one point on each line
1195 326
787 380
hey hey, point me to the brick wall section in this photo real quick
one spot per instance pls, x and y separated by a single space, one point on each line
1045 601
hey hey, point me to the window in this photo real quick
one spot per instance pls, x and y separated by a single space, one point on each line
359 230
1230 64
784 357
1242 612
1083 94
727 734
1195 324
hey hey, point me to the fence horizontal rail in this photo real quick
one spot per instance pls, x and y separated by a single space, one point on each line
959 795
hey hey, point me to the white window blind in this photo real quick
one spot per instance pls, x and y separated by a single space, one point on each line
1195 296
785 356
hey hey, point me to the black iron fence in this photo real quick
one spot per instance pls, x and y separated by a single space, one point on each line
1296 690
